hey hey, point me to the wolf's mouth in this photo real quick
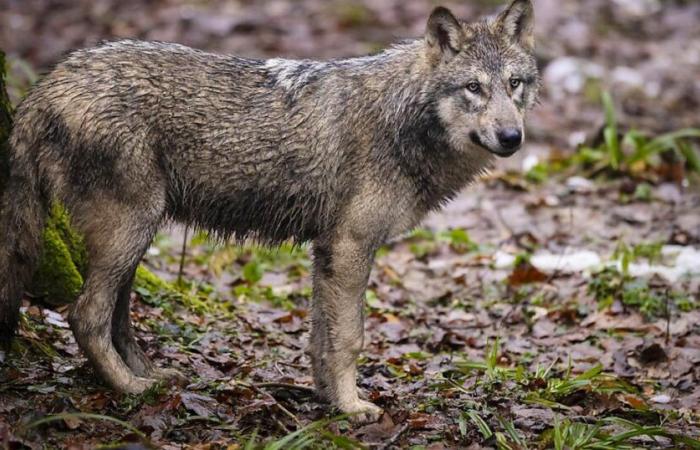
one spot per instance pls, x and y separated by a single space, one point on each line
503 153
477 140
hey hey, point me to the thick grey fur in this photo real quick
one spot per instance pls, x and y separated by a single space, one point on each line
344 153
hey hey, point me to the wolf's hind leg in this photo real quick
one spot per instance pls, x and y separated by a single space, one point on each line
125 341
116 238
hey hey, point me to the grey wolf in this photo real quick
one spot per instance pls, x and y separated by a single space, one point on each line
343 153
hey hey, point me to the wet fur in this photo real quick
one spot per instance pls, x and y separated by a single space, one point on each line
343 153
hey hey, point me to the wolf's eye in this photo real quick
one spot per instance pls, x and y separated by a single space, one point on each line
473 87
514 83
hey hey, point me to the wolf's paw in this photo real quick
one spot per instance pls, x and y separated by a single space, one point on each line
168 374
136 385
361 411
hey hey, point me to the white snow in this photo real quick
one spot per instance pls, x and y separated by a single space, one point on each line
677 262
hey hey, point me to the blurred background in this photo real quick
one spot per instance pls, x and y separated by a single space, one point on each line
580 254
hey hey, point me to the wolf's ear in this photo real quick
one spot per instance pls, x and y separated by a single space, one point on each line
517 22
444 35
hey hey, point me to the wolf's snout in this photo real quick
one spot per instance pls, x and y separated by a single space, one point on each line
509 138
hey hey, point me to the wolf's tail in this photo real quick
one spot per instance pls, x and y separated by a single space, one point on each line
23 211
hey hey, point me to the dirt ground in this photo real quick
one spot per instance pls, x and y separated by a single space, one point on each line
496 325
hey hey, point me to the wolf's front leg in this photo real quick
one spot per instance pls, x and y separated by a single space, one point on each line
341 270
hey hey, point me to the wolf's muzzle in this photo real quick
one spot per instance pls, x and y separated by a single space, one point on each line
502 150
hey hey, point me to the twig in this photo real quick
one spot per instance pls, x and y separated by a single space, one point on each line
557 270
281 426
296 387
668 318
668 312
395 437
503 222
181 269
277 404
296 366
585 419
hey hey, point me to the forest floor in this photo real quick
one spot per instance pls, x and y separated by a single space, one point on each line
554 304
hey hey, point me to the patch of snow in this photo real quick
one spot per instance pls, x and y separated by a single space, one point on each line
575 261
661 398
577 138
580 184
636 9
529 162
678 262
687 263
503 260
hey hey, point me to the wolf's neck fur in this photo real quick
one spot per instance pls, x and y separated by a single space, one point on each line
394 91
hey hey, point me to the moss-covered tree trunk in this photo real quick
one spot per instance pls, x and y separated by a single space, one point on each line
59 276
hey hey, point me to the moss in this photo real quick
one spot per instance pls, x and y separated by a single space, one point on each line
60 222
145 279
57 278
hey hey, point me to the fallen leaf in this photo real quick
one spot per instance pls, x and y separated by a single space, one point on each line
199 404
525 273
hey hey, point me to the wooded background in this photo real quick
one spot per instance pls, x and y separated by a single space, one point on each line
552 305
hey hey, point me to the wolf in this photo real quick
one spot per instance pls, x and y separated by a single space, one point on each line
342 153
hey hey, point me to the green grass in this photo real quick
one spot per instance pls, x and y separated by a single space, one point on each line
610 284
633 153
20 77
544 385
650 251
251 263
314 435
611 433
550 389
635 150
423 242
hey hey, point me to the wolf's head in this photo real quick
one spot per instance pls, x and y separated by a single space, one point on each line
484 76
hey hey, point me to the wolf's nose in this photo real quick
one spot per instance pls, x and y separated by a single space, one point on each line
509 138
